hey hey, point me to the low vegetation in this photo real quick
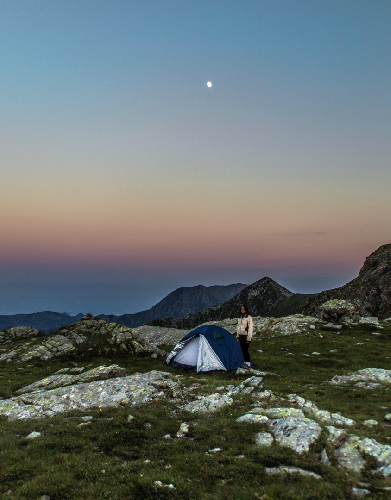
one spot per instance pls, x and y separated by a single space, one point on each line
113 456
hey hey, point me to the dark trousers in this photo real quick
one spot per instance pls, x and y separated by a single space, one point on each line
244 345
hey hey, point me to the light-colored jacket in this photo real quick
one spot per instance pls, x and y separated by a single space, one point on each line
245 327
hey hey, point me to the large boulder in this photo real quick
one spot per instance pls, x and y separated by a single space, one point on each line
338 311
17 332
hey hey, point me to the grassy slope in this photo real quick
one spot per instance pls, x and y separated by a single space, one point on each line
67 461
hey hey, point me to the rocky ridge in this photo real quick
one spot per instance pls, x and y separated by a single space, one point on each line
88 336
370 292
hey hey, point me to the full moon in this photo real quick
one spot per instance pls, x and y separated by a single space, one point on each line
209 84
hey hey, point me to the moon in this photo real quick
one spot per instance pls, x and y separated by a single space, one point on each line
209 84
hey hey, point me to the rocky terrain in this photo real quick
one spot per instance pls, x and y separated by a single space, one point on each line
370 292
90 336
179 303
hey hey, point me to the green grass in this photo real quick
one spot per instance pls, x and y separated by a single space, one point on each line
66 461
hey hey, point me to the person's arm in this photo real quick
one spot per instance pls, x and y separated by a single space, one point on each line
238 329
250 329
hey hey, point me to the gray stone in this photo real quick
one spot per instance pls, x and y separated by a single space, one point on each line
295 433
125 391
349 457
381 452
208 404
33 434
284 469
324 459
336 436
250 371
60 380
387 417
376 375
338 311
263 439
370 423
183 430
283 412
369 320
253 418
17 332
360 492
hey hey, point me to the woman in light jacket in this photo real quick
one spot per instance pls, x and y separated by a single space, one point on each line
244 332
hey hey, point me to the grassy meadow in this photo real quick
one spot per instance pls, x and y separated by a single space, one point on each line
114 458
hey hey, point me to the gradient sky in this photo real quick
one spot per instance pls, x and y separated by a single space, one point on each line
123 176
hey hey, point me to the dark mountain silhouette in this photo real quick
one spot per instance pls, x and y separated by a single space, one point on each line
262 297
370 292
43 321
179 303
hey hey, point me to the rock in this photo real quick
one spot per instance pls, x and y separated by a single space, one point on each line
381 452
263 439
154 355
369 320
367 375
349 457
88 336
33 434
208 404
387 417
331 326
60 380
126 391
283 412
17 332
284 469
44 497
183 430
250 371
295 433
338 311
336 436
253 418
370 423
324 459
264 395
360 492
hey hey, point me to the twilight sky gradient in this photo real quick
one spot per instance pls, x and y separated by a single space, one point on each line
123 176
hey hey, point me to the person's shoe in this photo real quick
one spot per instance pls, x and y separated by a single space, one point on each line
248 363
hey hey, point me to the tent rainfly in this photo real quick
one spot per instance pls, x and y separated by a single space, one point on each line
207 348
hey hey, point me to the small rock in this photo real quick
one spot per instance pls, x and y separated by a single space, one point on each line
370 423
183 430
215 450
44 497
387 417
282 469
167 436
130 418
360 492
33 435
263 439
253 418
324 459
349 457
296 433
154 355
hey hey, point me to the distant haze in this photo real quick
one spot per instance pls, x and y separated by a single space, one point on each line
124 177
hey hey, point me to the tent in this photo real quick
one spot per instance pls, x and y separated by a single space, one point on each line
208 347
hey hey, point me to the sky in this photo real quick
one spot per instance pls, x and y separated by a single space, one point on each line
123 176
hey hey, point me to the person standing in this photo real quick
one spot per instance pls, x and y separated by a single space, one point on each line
244 332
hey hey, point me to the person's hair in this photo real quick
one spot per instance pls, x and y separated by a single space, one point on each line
245 308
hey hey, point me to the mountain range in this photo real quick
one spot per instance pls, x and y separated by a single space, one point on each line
179 303
176 304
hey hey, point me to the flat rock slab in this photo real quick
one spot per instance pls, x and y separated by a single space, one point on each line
295 433
283 469
127 391
209 404
61 380
283 412
367 375
253 418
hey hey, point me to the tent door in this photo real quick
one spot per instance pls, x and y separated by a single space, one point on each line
189 354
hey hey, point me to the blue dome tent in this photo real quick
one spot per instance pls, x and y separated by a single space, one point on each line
207 348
